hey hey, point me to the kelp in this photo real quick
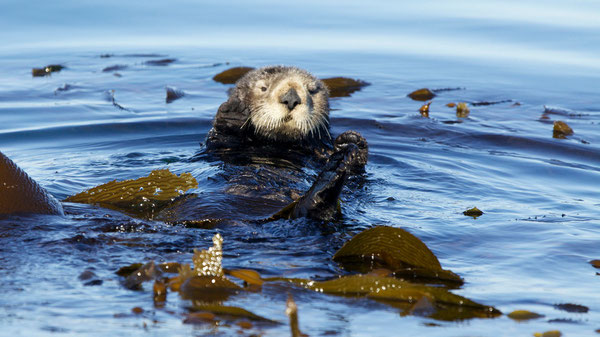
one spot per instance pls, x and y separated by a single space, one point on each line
401 294
231 311
291 310
343 86
561 130
161 62
424 109
570 307
473 212
551 333
173 94
422 95
208 289
47 70
141 195
249 276
145 273
462 110
523 315
206 285
394 249
337 86
231 75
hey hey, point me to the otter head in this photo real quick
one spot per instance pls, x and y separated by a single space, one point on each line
285 104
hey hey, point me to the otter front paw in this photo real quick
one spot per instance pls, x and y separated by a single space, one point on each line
358 160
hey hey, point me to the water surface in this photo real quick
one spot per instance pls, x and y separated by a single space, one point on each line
530 250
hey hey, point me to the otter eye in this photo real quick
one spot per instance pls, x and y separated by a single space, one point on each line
263 89
313 88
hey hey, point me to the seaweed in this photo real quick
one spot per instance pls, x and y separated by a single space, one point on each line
47 70
173 94
423 95
396 250
561 130
343 86
141 195
231 75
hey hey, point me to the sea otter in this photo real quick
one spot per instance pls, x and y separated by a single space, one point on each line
274 123
282 113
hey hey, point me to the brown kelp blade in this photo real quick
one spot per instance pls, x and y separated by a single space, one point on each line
21 194
159 188
338 86
231 75
394 249
343 86
391 291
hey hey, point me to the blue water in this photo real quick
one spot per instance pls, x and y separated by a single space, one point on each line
530 250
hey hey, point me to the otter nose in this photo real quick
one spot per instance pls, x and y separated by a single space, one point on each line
291 99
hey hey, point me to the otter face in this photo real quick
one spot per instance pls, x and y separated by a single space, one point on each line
286 103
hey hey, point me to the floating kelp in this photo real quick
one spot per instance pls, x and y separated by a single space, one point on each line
595 263
422 95
486 103
570 307
47 70
462 110
207 283
232 75
473 212
337 86
160 293
402 294
161 62
128 270
202 224
145 273
424 109
343 86
208 289
170 267
561 130
394 249
173 94
19 193
523 315
141 195
291 310
234 312
249 276
208 262
551 333
115 67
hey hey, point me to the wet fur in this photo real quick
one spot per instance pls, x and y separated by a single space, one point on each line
253 114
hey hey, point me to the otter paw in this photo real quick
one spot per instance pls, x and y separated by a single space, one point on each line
358 158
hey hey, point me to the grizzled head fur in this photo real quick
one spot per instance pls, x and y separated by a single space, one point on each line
285 103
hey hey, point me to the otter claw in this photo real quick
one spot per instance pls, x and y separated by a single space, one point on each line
359 159
320 202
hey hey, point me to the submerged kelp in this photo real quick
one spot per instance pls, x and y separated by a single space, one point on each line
141 195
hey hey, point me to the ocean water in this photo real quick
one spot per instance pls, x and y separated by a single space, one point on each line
538 61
